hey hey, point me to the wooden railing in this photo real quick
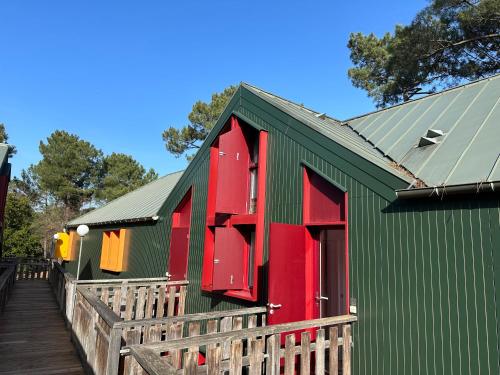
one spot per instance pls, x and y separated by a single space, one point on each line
255 350
28 268
173 328
7 279
104 314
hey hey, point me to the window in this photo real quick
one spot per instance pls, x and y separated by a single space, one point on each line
179 239
114 252
234 233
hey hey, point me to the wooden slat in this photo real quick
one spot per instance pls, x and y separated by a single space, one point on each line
194 330
333 355
117 302
346 350
190 363
171 301
235 361
141 301
150 301
129 305
182 300
226 325
214 356
160 306
305 353
320 352
290 354
131 366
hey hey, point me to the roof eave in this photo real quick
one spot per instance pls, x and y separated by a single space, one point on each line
112 222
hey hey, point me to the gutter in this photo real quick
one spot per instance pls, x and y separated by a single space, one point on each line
109 222
442 191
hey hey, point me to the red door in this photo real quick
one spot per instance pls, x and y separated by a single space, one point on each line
287 274
233 173
179 252
228 271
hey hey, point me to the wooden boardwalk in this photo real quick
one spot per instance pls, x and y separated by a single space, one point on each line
33 335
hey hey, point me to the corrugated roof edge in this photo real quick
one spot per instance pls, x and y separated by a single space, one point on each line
344 122
134 220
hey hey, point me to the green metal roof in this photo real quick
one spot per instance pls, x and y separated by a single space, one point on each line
331 128
448 138
468 151
141 204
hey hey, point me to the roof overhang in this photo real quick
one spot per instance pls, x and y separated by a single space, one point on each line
443 191
148 219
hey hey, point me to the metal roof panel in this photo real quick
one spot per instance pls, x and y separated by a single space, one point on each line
144 202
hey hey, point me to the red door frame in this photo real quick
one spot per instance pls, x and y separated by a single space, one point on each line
312 245
176 223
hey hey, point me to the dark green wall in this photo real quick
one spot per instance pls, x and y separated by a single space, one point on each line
423 272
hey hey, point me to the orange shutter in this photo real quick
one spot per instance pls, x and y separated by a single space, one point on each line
114 252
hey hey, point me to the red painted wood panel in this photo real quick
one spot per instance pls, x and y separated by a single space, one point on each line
287 273
179 253
323 201
228 271
233 174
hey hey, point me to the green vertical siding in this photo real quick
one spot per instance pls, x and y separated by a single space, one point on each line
425 274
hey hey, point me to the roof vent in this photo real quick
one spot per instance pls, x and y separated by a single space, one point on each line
430 138
321 115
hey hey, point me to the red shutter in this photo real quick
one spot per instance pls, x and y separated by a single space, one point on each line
228 259
326 201
233 173
179 251
287 273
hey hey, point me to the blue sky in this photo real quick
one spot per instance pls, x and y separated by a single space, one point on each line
117 73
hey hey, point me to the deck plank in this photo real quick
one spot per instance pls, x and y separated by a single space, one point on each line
33 335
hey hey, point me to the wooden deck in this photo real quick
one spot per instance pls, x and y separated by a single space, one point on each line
33 336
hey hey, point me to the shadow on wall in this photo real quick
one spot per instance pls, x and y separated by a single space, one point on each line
86 272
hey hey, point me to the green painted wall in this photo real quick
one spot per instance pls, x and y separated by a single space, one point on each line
425 273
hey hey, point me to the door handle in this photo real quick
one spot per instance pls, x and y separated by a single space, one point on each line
322 298
274 306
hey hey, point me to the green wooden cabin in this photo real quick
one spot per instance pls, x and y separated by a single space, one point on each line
393 216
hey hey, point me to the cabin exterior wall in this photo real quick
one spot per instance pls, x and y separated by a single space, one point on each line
425 274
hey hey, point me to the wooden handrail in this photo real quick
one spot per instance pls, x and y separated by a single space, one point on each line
249 332
192 317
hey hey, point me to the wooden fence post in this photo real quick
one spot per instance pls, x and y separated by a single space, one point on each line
113 360
346 349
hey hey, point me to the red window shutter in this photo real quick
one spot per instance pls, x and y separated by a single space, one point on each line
228 273
287 273
233 173
179 251
326 200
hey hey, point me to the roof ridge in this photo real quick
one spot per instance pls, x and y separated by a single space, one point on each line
291 102
495 76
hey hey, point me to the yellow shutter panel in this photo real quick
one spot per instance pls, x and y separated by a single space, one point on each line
70 253
62 246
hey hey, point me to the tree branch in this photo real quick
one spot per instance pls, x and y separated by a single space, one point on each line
462 42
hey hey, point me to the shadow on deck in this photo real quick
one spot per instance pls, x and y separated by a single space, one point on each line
33 334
